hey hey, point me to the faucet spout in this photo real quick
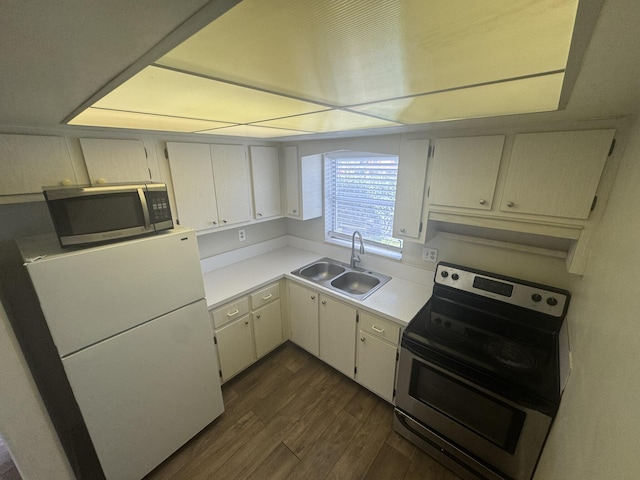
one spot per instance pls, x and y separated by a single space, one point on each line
355 258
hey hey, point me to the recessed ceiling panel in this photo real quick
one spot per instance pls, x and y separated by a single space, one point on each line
351 52
253 131
119 119
329 121
538 94
166 92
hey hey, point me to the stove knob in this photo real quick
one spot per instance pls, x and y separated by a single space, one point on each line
536 297
552 301
444 274
455 276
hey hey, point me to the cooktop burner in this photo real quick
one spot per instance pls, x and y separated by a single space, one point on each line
511 354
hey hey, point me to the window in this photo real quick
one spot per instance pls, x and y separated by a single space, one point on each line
360 193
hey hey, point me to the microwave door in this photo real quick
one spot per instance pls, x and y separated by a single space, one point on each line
100 216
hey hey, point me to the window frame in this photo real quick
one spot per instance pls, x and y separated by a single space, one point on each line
343 239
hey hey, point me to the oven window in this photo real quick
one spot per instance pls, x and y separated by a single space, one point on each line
494 420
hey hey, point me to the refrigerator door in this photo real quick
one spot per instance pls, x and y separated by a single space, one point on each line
146 392
91 294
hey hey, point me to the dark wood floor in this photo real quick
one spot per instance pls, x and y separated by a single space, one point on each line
8 470
291 416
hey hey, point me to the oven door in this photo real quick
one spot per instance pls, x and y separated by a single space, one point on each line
467 423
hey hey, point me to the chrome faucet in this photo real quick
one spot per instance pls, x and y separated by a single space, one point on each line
355 258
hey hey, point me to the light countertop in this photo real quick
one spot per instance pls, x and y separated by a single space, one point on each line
398 300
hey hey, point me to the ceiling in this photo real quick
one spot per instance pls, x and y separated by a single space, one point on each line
216 68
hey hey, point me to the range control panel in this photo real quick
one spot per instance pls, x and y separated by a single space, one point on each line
531 296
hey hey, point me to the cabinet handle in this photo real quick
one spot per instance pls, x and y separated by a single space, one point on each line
246 322
259 214
324 302
313 297
483 201
295 211
257 316
376 329
403 230
362 339
267 297
224 221
214 222
231 314
510 204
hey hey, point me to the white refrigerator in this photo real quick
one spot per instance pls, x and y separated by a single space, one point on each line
130 325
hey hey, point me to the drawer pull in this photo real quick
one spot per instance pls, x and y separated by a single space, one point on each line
376 329
267 297
231 314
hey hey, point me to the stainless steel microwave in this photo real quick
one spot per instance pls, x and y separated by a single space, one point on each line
86 215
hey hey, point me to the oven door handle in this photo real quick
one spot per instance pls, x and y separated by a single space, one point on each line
145 209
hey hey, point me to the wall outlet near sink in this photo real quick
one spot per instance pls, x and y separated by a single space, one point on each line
242 235
430 254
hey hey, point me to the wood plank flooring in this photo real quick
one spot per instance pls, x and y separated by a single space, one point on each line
290 416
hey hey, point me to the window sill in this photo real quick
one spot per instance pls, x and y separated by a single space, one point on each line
372 249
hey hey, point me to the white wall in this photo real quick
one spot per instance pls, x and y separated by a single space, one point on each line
24 422
596 433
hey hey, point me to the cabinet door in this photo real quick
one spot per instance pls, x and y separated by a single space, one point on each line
412 170
292 184
30 162
376 364
338 335
231 179
235 347
193 186
265 178
114 161
303 309
464 171
556 173
267 328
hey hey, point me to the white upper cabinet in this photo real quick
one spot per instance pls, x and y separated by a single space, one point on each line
231 179
464 171
412 170
265 178
303 185
192 175
556 173
30 162
115 161
211 184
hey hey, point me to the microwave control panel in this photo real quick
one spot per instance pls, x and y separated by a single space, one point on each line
159 209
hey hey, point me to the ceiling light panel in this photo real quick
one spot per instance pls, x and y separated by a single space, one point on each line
537 94
119 119
166 92
253 131
329 121
355 51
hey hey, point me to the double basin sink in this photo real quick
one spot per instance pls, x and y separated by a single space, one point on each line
355 282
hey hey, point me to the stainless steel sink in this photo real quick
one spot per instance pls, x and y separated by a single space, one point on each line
355 282
320 271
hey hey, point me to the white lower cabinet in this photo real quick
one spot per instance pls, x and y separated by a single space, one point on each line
377 354
303 315
355 342
337 323
247 329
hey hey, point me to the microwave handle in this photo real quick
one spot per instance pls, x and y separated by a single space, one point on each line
145 209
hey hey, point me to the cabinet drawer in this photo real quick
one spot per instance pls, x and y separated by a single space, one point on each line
265 295
379 327
230 311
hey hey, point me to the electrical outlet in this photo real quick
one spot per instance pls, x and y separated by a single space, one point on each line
241 235
430 254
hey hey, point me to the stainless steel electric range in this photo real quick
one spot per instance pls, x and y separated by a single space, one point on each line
481 372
